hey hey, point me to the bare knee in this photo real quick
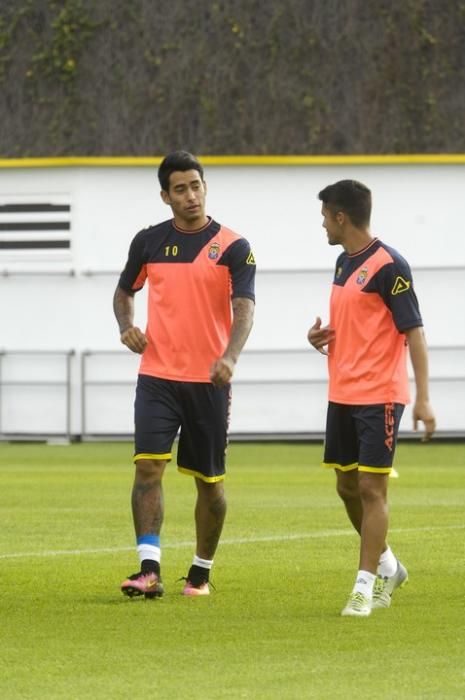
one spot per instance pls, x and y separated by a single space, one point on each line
149 470
347 486
373 488
212 494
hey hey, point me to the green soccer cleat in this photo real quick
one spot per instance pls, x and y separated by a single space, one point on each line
358 605
386 585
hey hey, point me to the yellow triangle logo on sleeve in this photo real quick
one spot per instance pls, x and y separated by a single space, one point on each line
250 259
400 285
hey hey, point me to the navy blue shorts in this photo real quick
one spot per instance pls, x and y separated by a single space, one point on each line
362 437
201 412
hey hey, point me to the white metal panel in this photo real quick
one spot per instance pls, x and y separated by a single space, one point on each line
280 382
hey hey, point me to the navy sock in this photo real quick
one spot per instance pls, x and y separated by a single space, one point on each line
150 566
198 575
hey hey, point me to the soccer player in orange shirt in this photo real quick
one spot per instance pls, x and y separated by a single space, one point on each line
374 318
200 278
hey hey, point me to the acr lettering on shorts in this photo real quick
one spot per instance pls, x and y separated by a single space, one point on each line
389 422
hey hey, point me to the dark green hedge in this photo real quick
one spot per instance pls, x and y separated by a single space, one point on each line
141 77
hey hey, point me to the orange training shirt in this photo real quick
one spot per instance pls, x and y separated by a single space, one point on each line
192 276
372 303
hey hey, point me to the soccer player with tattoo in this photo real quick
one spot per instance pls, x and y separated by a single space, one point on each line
200 278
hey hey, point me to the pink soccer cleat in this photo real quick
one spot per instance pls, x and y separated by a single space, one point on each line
148 585
201 589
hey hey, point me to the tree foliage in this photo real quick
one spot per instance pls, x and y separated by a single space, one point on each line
79 77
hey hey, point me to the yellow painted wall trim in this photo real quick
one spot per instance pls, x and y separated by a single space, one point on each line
154 161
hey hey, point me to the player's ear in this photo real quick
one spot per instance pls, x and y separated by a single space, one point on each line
340 218
165 197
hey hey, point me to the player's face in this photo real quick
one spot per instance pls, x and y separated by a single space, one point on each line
333 226
186 197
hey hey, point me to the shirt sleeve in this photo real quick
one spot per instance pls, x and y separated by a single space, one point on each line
133 277
338 268
241 262
394 283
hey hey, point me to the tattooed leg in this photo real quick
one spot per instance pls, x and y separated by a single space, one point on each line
210 512
147 497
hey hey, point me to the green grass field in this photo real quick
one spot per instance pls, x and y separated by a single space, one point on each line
285 566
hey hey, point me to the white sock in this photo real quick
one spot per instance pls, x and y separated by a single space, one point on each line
204 563
387 565
364 583
148 551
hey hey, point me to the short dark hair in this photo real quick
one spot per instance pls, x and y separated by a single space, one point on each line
177 161
351 197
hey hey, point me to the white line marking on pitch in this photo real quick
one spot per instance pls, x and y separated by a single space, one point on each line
238 540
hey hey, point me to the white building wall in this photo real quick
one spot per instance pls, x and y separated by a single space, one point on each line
64 301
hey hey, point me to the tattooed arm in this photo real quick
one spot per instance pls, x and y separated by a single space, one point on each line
123 306
222 370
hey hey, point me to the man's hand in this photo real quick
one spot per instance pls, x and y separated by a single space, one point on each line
422 411
134 339
319 336
221 371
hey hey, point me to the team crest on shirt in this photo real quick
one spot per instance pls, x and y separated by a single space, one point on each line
214 251
362 275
